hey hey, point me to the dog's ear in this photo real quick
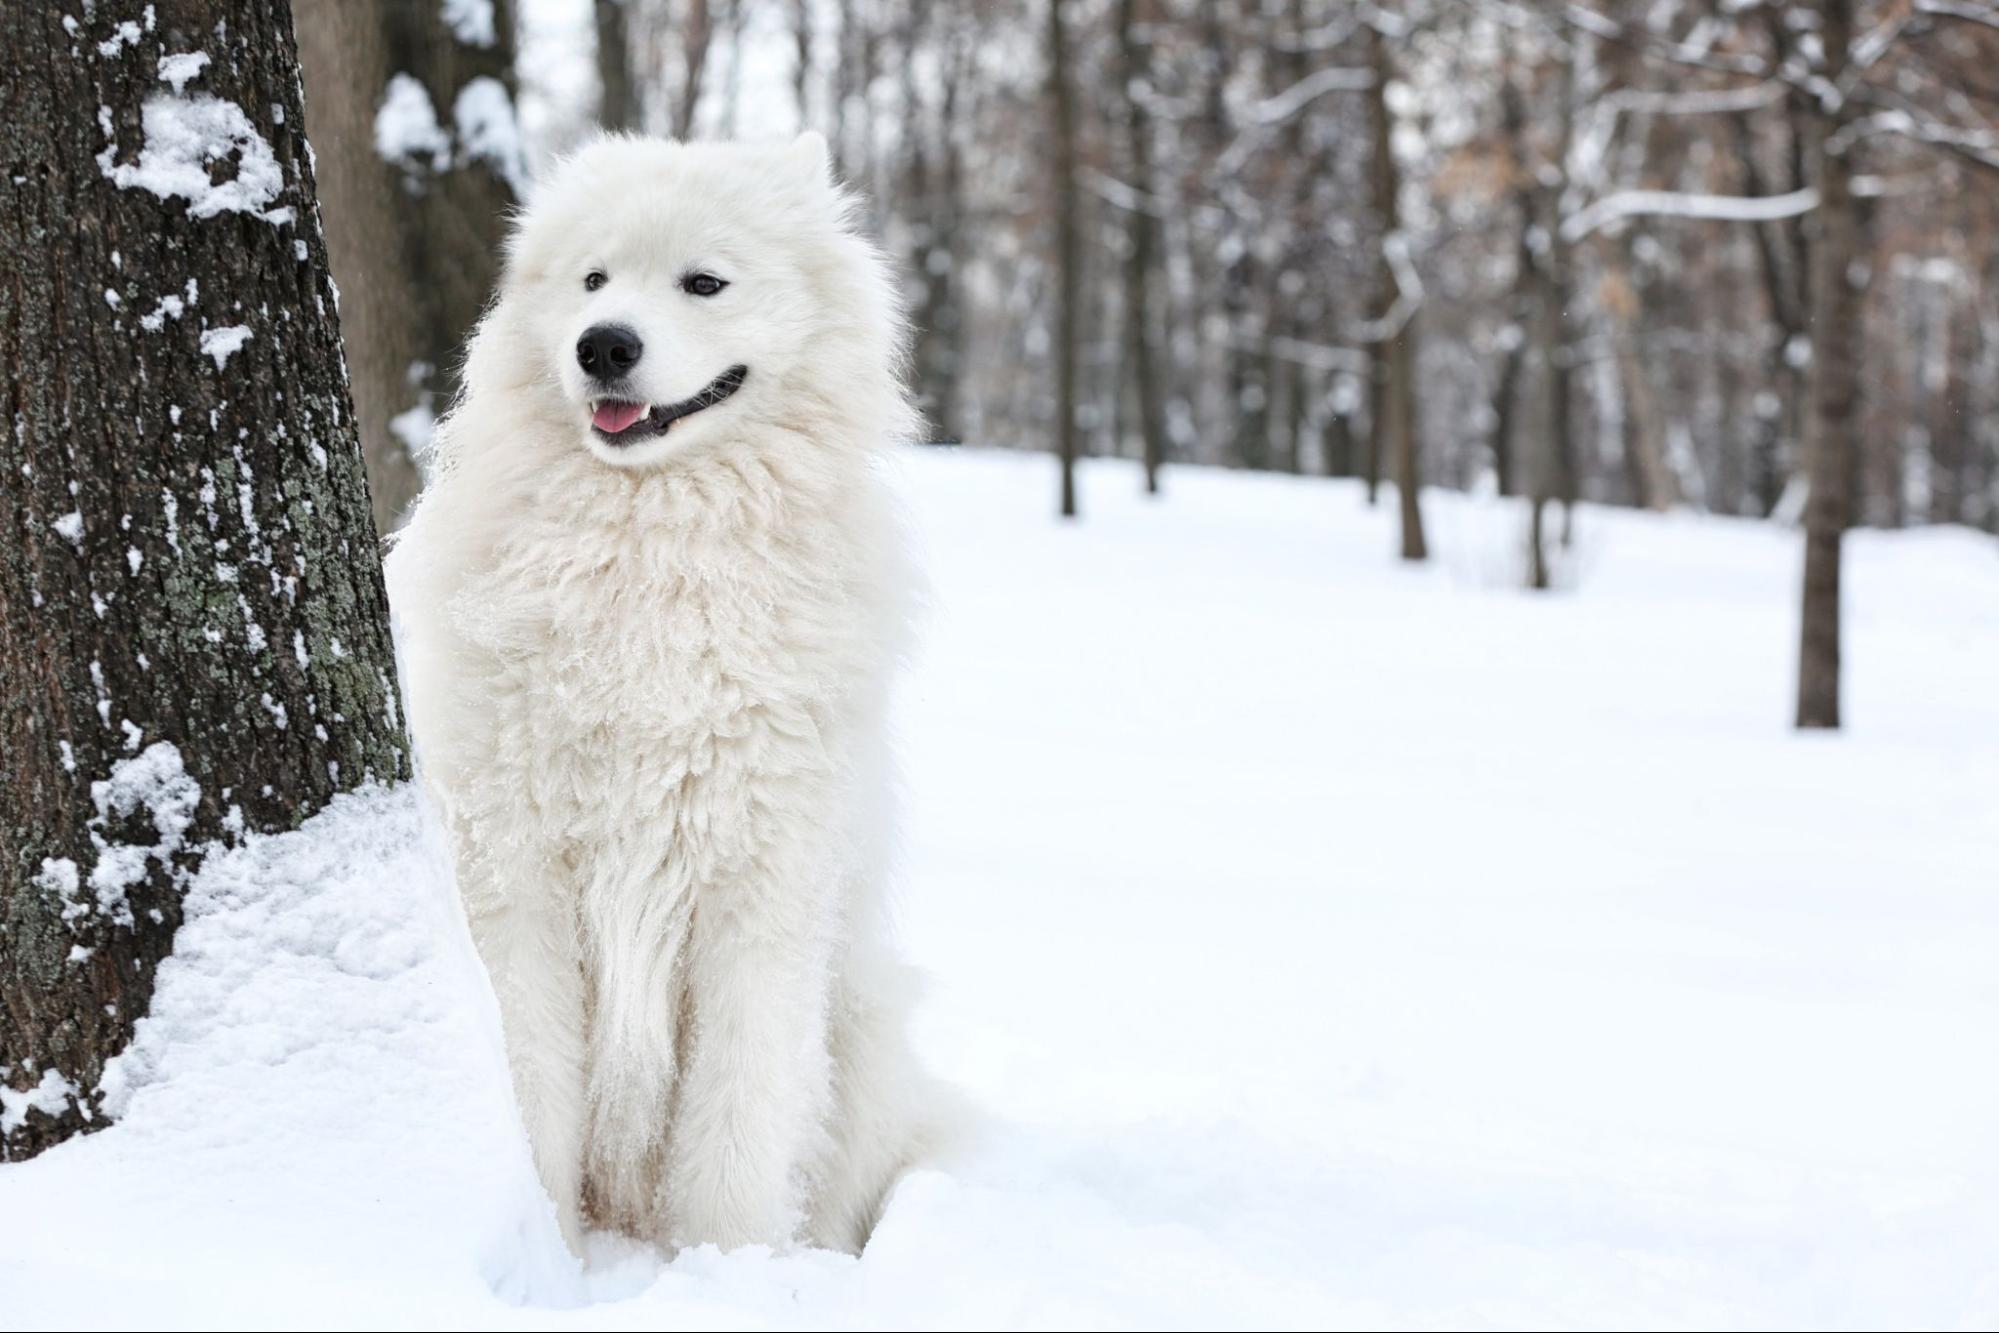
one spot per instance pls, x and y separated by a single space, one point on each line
812 159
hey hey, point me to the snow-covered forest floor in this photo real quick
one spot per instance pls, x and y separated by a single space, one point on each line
1325 941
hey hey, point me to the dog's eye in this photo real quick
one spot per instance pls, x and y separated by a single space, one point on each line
594 279
701 284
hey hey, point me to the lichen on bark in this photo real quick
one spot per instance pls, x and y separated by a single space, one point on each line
192 560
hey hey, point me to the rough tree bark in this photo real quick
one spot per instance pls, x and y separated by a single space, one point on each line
617 91
414 211
1135 54
1068 251
193 636
1394 427
1833 415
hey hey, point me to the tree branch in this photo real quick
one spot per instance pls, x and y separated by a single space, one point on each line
1667 203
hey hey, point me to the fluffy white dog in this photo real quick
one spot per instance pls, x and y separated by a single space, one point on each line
650 603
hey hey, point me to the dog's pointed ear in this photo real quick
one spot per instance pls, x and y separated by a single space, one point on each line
812 159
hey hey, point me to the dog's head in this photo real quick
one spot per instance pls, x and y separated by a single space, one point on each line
672 292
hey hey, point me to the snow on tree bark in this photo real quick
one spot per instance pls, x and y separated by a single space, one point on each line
194 640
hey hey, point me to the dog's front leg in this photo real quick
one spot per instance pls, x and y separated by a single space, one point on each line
523 920
755 1089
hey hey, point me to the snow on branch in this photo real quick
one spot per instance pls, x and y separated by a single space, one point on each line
1279 107
1124 195
1699 55
1317 356
1978 146
1668 203
1700 102
1408 292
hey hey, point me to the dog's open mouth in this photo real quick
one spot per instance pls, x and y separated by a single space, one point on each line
622 421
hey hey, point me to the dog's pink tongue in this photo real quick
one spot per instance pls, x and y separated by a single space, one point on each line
611 418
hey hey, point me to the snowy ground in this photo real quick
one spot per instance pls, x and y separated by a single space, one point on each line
1329 943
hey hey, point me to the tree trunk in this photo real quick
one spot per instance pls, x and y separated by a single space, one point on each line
1505 411
697 32
413 220
1068 252
941 363
1556 473
193 635
1336 444
1520 304
1393 425
1553 464
1143 257
1653 485
617 91
1833 418
801 70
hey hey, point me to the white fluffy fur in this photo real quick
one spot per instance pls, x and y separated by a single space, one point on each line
647 687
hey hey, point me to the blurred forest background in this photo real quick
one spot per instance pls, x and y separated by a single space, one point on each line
1723 254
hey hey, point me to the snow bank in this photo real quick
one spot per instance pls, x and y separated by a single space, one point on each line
1330 944
319 1084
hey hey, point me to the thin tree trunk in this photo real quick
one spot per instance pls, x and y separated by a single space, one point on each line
1537 543
414 240
194 640
1336 444
1382 188
1394 425
1835 400
1520 306
618 92
1068 252
1779 254
801 70
943 333
697 33
1558 473
1653 484
1552 471
1505 412
1143 257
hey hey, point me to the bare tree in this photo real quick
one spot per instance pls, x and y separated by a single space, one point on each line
1142 255
1395 431
194 642
1068 250
1830 423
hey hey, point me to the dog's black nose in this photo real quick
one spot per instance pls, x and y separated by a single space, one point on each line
608 351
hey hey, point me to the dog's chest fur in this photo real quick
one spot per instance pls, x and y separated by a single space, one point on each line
644 639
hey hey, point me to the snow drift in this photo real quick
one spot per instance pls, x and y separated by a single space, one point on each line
1424 952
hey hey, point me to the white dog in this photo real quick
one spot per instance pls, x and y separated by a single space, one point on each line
650 603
